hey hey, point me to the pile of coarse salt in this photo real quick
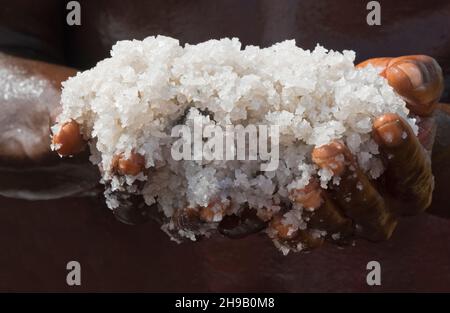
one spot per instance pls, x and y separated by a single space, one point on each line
132 100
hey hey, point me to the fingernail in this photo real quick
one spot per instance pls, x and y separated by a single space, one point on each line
331 156
414 73
134 165
68 141
389 130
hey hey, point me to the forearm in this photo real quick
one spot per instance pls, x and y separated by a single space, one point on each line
29 104
31 93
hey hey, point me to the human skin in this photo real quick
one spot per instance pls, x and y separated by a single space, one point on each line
407 182
29 105
309 22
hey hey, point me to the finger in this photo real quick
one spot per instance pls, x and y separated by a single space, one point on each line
214 211
286 234
233 226
408 168
131 165
417 78
68 141
321 213
354 194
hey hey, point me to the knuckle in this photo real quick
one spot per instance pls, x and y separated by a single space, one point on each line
390 130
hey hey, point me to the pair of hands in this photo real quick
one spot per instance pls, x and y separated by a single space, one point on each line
372 211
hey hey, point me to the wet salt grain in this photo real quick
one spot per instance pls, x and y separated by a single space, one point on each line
404 135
